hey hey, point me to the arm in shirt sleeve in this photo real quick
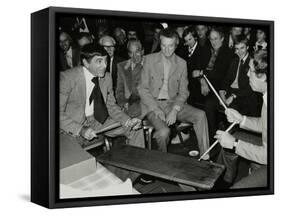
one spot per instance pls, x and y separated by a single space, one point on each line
252 123
252 152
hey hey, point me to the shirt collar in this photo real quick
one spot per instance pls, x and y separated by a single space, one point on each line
88 74
245 57
191 50
172 59
69 51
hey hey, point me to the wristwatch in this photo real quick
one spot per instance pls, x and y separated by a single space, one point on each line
235 144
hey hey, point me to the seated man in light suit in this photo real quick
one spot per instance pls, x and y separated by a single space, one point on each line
251 151
87 103
129 73
163 91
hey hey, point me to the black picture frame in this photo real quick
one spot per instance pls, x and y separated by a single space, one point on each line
45 114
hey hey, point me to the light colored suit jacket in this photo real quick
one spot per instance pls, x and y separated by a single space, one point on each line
152 79
127 81
73 100
251 151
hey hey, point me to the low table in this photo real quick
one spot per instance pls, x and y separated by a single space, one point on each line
180 169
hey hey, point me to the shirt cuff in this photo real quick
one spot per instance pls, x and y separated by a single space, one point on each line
126 123
222 92
177 108
242 123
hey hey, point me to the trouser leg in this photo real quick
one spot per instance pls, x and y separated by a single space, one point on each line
162 131
258 178
200 124
229 160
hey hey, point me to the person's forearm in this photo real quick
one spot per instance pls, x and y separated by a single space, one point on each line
252 152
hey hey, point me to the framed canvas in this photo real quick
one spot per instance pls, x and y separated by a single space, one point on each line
138 107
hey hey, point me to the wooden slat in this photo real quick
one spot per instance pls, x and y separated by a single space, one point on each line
168 166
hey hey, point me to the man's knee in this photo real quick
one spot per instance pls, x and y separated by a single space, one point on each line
200 116
164 133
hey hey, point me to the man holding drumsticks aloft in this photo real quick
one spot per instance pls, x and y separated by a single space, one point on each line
258 76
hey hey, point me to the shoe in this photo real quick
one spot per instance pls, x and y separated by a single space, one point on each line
144 179
176 139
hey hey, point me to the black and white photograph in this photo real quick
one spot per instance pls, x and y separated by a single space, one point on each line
161 106
139 108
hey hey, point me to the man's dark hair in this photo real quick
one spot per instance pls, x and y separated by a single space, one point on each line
157 26
190 30
169 33
90 50
242 39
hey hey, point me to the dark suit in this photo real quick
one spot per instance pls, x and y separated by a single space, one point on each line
216 77
198 60
247 101
75 59
114 74
221 66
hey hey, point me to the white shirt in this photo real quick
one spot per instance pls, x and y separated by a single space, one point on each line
111 62
164 94
89 108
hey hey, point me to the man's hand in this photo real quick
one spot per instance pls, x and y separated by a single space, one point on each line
225 139
126 106
229 100
204 87
88 133
134 123
233 115
159 114
222 95
197 73
171 117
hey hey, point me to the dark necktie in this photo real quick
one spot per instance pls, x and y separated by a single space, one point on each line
240 66
100 110
239 69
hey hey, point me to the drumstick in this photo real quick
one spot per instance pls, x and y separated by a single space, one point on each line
109 127
215 92
215 143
